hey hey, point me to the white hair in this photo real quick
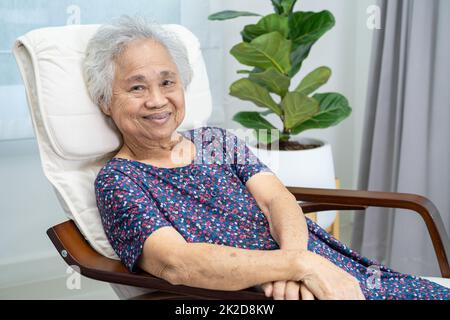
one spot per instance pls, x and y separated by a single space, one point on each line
110 41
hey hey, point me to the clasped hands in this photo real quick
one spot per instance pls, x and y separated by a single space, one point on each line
317 278
287 290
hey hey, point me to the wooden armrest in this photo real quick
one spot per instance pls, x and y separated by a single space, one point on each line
332 199
76 251
308 207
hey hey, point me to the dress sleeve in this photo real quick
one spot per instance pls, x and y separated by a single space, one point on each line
244 162
128 214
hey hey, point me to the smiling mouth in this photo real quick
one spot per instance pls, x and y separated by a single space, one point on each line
159 119
158 116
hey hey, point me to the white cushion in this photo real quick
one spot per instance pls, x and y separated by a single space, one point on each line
442 281
75 139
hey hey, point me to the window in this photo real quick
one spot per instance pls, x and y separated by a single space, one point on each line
19 17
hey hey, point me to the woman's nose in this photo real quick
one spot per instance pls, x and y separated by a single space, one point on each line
155 98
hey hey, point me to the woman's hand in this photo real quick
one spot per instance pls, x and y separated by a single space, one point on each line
287 290
326 281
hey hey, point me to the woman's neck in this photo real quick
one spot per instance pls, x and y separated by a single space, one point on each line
158 151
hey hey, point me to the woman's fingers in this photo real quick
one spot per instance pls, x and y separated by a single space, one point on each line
279 288
305 293
325 280
357 293
289 290
267 288
292 290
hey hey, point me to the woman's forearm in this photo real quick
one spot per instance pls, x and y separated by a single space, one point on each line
220 267
287 223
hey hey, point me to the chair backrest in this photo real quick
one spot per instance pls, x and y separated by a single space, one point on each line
75 138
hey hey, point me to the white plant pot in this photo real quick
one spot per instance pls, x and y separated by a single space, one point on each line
313 168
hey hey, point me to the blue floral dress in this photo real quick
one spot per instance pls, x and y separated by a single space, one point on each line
207 201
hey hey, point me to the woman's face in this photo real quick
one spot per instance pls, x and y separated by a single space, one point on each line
147 103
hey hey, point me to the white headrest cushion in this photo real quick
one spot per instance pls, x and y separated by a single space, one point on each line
75 139
76 127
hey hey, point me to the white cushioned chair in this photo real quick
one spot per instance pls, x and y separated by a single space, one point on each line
75 139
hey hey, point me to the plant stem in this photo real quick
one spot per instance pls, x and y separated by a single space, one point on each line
285 135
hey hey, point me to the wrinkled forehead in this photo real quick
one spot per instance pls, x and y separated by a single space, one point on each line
145 56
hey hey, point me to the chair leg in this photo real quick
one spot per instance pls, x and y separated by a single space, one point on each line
336 226
312 216
334 229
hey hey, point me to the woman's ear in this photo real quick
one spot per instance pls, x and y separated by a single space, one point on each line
105 108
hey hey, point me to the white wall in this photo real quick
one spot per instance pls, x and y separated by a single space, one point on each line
28 208
210 35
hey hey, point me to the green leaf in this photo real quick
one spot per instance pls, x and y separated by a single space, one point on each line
297 109
307 27
263 128
314 80
272 80
246 89
265 113
265 51
277 6
333 109
252 120
230 14
283 6
266 137
243 71
254 70
298 55
267 24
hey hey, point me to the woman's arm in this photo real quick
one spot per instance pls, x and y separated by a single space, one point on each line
287 227
287 222
167 255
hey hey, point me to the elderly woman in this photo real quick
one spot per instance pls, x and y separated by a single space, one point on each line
196 207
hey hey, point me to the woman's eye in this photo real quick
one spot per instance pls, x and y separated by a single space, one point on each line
167 83
137 88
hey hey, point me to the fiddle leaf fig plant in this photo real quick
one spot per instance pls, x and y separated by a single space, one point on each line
275 48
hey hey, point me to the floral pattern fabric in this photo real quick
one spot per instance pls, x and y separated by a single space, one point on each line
207 201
